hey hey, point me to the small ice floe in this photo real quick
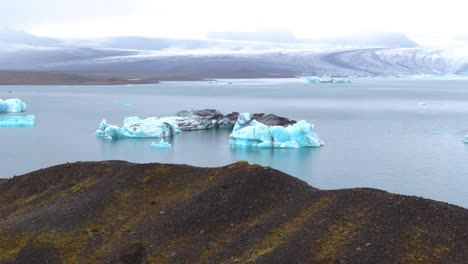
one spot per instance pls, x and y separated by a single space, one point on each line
162 144
126 105
17 121
134 127
12 106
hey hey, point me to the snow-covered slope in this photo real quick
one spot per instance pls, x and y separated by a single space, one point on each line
227 58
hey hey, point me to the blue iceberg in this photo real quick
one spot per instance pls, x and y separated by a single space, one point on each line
465 139
134 127
17 121
162 144
250 133
313 79
12 106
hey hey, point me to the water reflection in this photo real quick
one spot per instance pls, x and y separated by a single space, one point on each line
297 162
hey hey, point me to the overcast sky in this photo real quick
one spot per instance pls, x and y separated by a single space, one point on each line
426 21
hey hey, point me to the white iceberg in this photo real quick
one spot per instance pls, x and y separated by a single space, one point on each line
17 121
251 133
134 127
162 144
12 106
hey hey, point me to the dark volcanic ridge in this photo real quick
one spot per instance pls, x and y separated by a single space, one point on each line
68 78
120 212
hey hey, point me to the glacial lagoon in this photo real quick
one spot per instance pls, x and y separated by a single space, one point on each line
399 135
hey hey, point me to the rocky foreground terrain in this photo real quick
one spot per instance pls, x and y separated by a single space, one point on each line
119 212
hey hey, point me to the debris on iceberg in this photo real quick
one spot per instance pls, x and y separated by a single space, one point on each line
12 106
248 132
162 144
17 121
134 127
204 119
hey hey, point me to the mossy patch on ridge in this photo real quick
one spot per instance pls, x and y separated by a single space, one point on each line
419 249
329 246
281 234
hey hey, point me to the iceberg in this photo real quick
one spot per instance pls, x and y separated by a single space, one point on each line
342 81
248 132
134 127
313 79
465 139
162 144
17 121
12 106
261 130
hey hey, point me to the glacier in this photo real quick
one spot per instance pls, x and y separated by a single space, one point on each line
134 127
248 132
14 105
17 121
162 144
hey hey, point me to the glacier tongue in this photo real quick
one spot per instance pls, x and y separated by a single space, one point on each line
17 121
249 132
134 127
12 106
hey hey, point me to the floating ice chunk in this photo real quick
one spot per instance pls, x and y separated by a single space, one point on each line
465 139
313 80
250 133
134 127
342 81
17 121
162 144
12 106
126 105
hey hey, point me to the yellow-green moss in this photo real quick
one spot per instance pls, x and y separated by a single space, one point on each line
34 201
68 244
329 246
281 234
419 249
131 207
10 244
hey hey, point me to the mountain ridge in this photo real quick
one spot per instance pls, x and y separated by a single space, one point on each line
120 212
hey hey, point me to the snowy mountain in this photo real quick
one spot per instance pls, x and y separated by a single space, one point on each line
387 55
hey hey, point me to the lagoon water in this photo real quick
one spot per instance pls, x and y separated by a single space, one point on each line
399 135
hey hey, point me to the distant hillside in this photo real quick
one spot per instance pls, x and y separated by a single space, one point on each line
119 212
367 54
9 36
58 78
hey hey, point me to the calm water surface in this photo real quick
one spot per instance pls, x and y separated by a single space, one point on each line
403 136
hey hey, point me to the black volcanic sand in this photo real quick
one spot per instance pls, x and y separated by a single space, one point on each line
119 212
